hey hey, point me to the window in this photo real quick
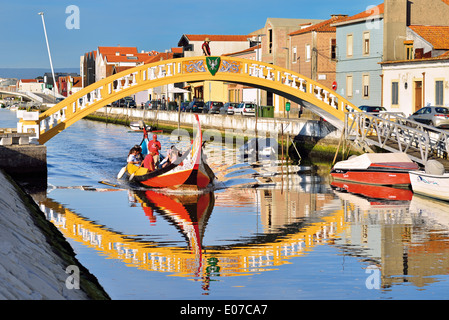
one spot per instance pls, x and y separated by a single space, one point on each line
333 49
294 55
308 52
366 43
349 86
366 85
349 45
395 93
270 40
439 92
409 49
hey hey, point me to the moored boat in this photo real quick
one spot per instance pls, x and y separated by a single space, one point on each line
432 182
376 168
190 171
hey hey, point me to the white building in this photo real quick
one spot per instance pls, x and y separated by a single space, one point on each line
423 78
411 85
30 85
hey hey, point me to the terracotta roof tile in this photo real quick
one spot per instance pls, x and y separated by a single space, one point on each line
113 50
214 37
324 26
437 36
379 9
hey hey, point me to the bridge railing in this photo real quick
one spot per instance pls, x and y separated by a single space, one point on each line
394 132
295 87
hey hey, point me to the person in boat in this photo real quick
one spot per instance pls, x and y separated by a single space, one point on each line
135 156
155 145
148 162
172 155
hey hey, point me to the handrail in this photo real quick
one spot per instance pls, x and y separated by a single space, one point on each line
394 132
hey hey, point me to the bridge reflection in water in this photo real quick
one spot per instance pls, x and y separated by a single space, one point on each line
406 237
283 236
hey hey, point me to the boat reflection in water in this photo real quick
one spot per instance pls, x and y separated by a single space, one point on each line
189 213
374 192
414 230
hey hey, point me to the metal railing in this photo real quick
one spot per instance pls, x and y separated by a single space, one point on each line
394 132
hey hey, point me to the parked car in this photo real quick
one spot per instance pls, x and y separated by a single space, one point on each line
129 102
184 105
118 103
228 108
434 116
245 109
125 102
372 109
213 106
153 105
172 105
195 106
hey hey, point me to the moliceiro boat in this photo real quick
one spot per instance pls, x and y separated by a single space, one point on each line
190 171
376 168
433 182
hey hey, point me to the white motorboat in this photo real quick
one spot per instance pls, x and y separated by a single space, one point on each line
432 182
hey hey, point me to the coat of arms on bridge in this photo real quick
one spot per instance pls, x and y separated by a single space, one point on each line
213 63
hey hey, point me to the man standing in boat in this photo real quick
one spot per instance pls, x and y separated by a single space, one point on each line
154 146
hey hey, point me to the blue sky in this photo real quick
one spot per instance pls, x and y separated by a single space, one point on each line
147 25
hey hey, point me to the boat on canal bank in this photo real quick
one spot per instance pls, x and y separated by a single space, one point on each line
432 182
390 169
189 172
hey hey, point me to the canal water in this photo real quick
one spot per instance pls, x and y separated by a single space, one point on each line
269 232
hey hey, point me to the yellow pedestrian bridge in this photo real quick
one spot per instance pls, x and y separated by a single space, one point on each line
283 82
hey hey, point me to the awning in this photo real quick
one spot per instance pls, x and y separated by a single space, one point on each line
178 90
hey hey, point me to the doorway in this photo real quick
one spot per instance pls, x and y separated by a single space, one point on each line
418 95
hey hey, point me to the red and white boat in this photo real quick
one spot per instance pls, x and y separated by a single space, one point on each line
376 168
190 171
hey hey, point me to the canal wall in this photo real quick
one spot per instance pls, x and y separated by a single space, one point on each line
34 255
295 128
20 158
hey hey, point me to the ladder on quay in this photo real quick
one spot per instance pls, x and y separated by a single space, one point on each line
393 132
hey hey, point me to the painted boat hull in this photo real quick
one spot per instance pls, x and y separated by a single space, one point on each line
191 172
388 169
430 185
373 177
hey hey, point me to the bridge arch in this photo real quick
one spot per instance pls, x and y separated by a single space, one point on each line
283 82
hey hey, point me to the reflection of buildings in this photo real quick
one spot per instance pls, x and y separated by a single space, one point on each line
407 240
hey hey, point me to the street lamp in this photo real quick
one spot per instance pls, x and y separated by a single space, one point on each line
55 87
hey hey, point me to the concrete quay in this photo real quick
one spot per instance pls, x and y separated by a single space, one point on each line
19 158
278 126
34 255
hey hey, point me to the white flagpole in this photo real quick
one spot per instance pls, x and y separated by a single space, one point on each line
55 86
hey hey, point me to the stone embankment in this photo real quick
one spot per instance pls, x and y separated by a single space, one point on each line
34 255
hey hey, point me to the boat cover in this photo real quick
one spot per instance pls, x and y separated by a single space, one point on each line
366 160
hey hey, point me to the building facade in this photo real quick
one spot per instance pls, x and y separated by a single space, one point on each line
359 51
312 51
274 39
411 85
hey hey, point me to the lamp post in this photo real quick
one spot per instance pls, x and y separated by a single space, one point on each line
55 86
